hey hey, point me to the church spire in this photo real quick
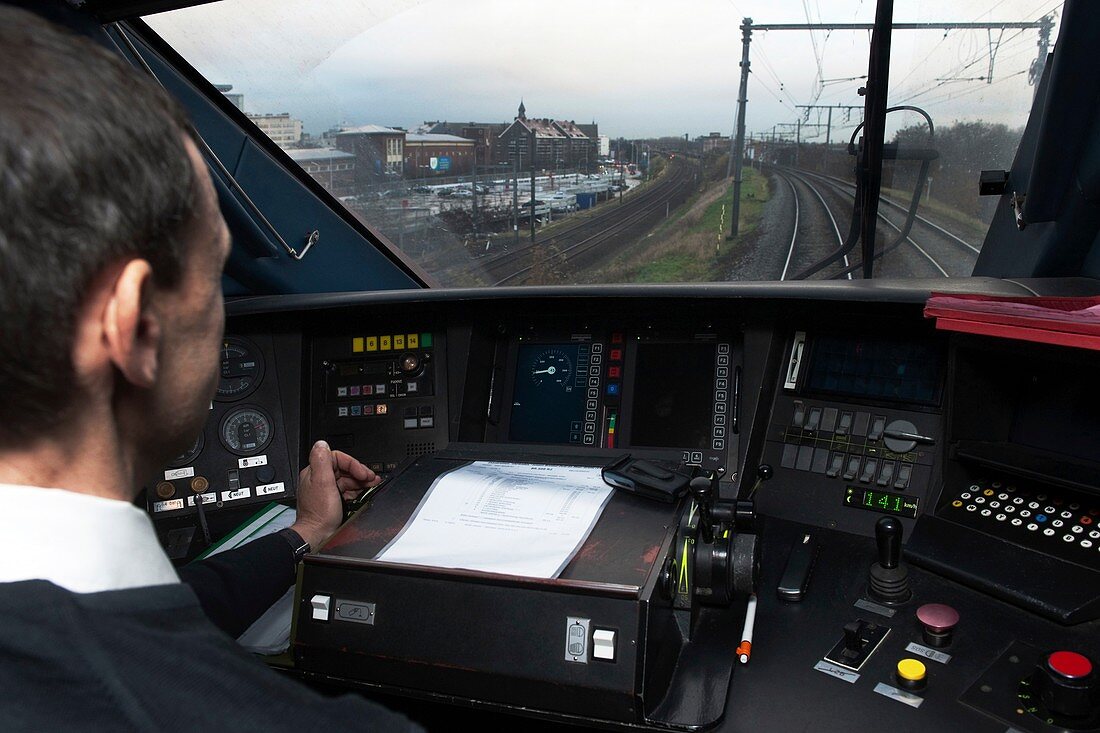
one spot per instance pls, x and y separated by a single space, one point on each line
522 110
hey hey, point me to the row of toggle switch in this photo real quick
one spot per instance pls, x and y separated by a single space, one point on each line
847 466
839 422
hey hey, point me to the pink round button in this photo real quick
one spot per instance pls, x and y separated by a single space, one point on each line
1071 665
937 617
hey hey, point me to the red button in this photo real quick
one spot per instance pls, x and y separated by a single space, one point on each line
614 372
1070 664
1086 520
616 355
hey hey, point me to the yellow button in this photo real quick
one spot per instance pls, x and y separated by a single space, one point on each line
384 343
357 345
399 341
988 492
372 343
956 503
413 340
911 669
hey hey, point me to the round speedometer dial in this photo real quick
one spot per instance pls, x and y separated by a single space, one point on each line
242 369
246 430
552 368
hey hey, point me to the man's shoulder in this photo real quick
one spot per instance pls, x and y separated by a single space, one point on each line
145 658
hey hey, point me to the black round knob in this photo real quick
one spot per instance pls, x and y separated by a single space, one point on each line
1067 685
764 471
701 489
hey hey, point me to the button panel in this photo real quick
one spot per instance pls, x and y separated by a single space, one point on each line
1032 515
852 443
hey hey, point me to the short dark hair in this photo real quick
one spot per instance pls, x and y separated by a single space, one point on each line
93 170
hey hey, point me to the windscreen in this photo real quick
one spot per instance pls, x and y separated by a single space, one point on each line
507 142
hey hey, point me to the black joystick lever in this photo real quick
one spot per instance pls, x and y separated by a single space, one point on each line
889 578
703 490
888 539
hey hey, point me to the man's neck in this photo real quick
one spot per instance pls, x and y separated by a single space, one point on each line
90 463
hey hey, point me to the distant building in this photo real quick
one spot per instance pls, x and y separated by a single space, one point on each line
284 130
484 135
432 154
379 151
333 169
604 143
544 143
714 141
236 99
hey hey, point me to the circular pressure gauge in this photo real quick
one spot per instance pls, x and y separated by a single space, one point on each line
246 430
242 369
188 457
552 368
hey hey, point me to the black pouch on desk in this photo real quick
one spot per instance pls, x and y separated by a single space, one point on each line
646 478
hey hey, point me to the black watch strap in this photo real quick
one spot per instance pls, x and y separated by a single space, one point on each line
298 545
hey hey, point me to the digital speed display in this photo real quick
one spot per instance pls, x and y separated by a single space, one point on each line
551 399
881 501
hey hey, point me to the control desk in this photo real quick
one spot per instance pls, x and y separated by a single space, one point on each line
924 509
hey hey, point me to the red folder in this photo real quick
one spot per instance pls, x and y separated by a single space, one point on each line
1062 321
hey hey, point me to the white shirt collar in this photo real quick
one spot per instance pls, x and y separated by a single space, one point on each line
83 543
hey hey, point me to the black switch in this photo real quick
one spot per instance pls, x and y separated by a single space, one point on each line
886 475
835 465
852 469
869 469
853 638
844 426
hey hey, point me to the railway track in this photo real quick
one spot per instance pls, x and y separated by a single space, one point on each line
578 243
929 250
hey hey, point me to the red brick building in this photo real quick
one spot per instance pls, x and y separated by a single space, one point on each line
545 143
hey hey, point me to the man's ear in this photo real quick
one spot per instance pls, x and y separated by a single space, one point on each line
131 328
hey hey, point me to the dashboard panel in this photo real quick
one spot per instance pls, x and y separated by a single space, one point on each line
829 408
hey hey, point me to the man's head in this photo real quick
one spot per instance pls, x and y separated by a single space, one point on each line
111 246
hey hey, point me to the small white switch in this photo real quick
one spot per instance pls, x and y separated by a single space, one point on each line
322 607
603 644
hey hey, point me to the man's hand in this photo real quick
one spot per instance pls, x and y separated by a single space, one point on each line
331 477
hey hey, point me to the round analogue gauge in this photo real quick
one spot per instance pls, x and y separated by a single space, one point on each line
242 369
188 457
552 367
246 430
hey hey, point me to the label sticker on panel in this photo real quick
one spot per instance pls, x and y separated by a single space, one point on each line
179 473
839 672
206 499
266 489
252 461
238 494
167 506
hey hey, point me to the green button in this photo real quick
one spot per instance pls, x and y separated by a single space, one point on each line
425 341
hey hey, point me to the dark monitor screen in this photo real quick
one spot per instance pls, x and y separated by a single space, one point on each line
877 369
673 396
548 401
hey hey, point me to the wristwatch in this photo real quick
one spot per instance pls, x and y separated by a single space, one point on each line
299 546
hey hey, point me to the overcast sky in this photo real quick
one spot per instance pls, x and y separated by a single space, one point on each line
639 68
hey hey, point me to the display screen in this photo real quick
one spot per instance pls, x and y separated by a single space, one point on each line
881 501
877 369
673 396
549 401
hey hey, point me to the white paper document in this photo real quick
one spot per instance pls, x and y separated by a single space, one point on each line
512 518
